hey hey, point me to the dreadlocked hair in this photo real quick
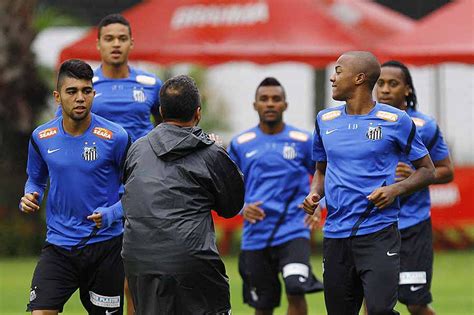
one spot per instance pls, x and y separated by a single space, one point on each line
411 98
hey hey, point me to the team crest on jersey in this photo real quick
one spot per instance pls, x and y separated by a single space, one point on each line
139 95
387 116
90 152
289 152
418 121
331 115
103 133
374 133
47 133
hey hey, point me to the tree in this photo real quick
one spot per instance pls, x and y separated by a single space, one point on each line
22 97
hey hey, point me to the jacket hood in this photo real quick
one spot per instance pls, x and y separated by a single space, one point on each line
170 142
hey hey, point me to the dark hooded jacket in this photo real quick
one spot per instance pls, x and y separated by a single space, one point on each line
173 177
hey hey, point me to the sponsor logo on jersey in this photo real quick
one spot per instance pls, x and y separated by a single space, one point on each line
95 79
104 301
139 95
374 133
145 79
251 153
103 133
89 153
331 115
289 152
418 121
300 136
246 137
387 116
47 133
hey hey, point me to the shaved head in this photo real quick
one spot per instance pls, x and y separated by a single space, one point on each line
364 62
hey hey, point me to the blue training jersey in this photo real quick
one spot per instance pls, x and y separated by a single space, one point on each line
362 152
277 171
128 102
84 173
415 208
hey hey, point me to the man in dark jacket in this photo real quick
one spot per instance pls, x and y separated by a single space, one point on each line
173 177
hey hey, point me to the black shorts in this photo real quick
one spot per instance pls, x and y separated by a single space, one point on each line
259 270
96 269
416 264
194 293
362 266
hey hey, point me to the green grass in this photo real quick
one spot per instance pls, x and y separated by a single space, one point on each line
453 286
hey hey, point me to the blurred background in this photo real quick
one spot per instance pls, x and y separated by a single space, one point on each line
229 46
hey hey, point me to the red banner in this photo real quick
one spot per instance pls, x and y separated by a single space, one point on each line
453 203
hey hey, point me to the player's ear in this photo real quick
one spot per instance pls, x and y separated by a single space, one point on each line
57 97
360 78
132 42
197 115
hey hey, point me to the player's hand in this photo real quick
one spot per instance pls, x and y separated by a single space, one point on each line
310 203
253 213
216 138
313 221
382 197
403 171
29 203
97 218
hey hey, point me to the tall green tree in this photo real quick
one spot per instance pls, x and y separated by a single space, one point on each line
22 97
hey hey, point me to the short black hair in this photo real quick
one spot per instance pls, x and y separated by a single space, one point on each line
411 99
179 98
112 19
74 68
270 81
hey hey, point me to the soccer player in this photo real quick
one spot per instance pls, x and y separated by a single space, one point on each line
357 147
174 176
82 155
276 161
124 94
395 87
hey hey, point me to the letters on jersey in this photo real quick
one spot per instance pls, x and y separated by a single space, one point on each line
331 115
47 133
300 136
418 121
387 116
103 133
246 137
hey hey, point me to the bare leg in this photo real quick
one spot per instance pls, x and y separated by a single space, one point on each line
420 310
128 296
45 312
264 312
297 305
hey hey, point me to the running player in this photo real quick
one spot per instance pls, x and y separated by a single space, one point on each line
124 94
276 161
357 146
82 155
395 87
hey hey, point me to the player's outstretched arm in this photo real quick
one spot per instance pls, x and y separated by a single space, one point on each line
423 176
311 202
30 202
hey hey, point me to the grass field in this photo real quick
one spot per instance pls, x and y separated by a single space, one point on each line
453 286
